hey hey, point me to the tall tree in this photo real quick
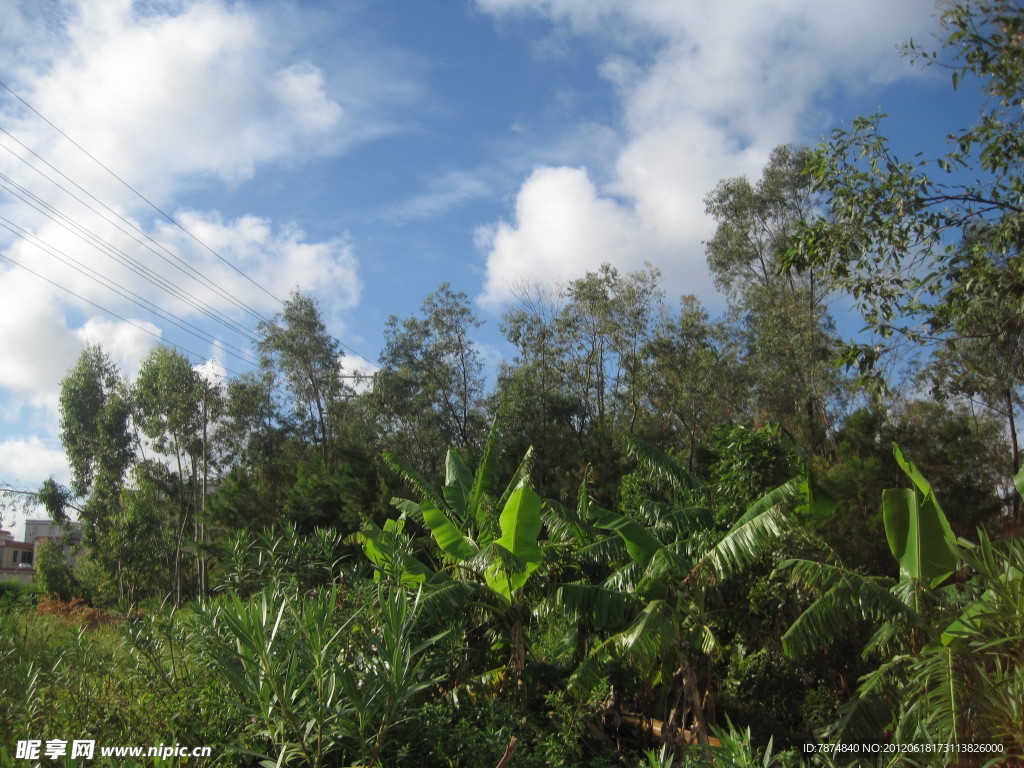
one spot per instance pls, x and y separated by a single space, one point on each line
430 387
606 321
95 425
176 409
696 380
919 242
296 346
789 334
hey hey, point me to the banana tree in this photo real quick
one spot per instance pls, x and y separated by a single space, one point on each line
486 547
653 607
938 641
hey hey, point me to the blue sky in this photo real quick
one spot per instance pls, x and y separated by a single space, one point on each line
367 151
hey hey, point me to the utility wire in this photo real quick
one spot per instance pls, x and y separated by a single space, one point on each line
137 193
152 205
111 251
125 293
162 340
183 266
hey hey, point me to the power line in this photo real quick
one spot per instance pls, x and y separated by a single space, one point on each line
171 219
110 312
120 290
137 193
182 266
122 258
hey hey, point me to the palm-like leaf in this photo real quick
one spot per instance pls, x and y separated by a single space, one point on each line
520 523
414 479
458 486
447 535
482 479
564 523
603 607
662 467
748 539
520 477
640 542
844 597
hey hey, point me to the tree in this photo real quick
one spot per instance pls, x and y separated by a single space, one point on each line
606 320
922 244
983 367
95 411
581 373
695 378
788 334
532 399
429 390
296 346
53 572
176 408
95 420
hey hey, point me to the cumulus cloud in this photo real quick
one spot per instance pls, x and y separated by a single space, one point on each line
197 88
561 222
169 96
126 341
38 347
250 247
706 90
27 463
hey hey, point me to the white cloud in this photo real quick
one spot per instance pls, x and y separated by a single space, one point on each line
560 224
212 371
126 342
278 260
449 190
352 364
27 463
200 88
38 347
707 89
170 96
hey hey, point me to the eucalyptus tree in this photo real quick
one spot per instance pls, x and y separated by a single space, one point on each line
296 347
259 455
581 374
982 361
923 244
789 335
177 410
605 322
96 431
429 390
696 380
532 399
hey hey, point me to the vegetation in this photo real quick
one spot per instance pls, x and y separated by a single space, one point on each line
658 539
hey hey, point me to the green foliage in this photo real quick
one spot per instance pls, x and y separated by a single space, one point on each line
296 347
429 391
323 687
496 620
249 560
919 535
16 595
749 463
919 249
322 497
53 572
